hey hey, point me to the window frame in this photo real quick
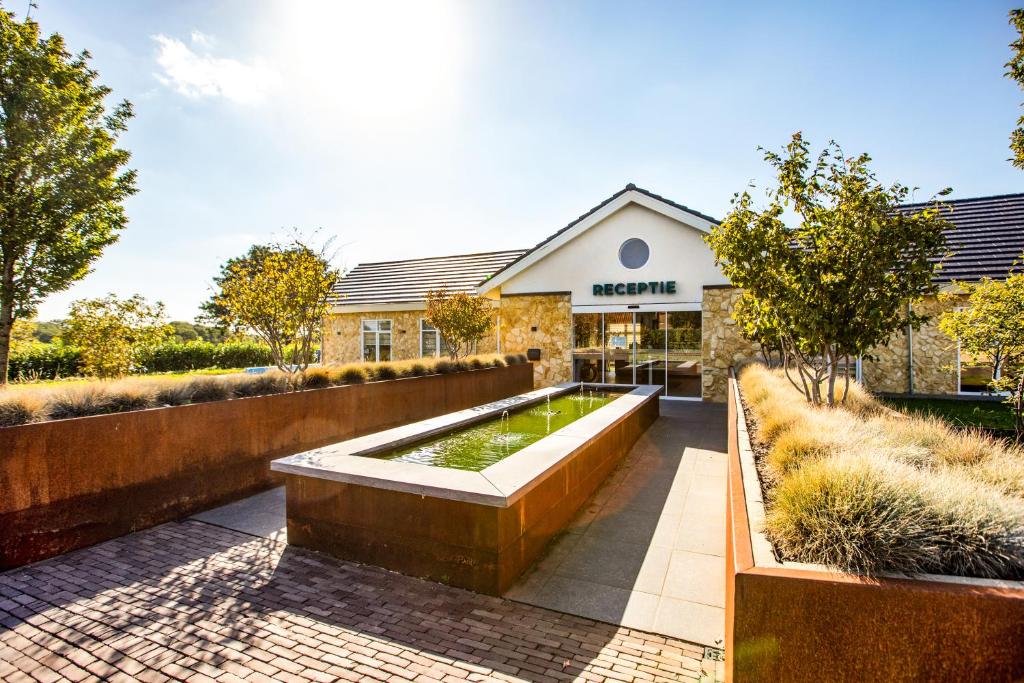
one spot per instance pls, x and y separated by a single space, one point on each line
376 332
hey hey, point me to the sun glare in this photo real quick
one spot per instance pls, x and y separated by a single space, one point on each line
374 60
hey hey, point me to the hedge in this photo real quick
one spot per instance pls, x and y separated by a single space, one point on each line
44 361
197 355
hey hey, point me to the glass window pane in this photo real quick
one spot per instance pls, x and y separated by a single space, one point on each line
369 325
384 348
425 325
429 344
384 325
369 346
586 355
684 353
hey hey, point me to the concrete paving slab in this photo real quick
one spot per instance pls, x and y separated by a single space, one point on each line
647 551
261 515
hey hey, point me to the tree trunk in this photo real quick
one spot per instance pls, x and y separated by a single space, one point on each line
1019 408
6 326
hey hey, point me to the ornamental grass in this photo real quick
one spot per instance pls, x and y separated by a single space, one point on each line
866 489
37 404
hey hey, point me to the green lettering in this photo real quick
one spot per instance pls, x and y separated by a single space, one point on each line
631 288
620 288
641 287
670 286
608 290
598 290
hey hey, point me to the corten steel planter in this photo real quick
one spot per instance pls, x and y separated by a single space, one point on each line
475 530
800 622
71 483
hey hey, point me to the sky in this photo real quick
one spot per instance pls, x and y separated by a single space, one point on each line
433 127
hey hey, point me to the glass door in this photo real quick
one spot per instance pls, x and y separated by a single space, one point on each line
618 348
683 354
587 352
650 348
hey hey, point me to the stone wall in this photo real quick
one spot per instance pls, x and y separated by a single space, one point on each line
342 335
722 344
935 358
935 354
542 321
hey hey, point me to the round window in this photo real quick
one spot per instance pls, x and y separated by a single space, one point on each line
634 253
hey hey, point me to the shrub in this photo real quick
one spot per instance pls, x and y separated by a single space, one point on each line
353 374
476 364
382 371
125 396
173 393
44 361
515 358
314 378
79 401
18 408
444 367
867 489
206 389
263 384
199 355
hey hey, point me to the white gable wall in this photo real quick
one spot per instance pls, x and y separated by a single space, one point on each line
678 252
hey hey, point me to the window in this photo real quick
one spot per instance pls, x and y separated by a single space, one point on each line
431 343
376 340
634 253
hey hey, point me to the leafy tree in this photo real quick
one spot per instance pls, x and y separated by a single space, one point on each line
61 183
214 313
279 293
841 280
22 333
112 332
460 319
1015 70
184 331
992 324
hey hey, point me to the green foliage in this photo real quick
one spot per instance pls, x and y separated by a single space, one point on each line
461 320
992 325
44 361
1015 70
280 293
111 333
197 355
62 186
838 283
47 331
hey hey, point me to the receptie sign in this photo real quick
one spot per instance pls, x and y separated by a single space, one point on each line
635 288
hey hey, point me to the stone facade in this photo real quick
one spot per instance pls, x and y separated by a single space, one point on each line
722 345
935 358
342 342
935 354
542 321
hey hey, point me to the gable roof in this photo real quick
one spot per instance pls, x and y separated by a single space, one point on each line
629 194
388 282
987 238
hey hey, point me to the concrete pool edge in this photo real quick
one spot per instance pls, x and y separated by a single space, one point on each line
457 527
498 485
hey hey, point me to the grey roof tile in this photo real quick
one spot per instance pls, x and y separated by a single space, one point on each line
410 280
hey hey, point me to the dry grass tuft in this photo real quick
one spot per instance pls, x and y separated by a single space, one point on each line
98 398
866 489
17 408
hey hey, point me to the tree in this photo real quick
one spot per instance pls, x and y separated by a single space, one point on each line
61 185
214 313
460 319
111 332
992 324
1015 70
279 293
842 279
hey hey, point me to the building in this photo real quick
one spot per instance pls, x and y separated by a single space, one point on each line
629 293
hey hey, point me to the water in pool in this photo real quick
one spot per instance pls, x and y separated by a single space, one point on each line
481 445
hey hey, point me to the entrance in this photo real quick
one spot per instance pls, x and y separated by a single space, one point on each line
639 347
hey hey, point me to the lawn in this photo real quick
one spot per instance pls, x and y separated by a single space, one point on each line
963 413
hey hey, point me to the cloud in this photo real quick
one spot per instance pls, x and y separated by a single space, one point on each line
196 74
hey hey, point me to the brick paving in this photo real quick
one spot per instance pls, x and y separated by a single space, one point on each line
196 602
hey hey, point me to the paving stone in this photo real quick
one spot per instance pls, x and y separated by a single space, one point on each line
194 601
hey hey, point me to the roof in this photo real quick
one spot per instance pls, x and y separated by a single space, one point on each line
629 188
987 238
409 281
